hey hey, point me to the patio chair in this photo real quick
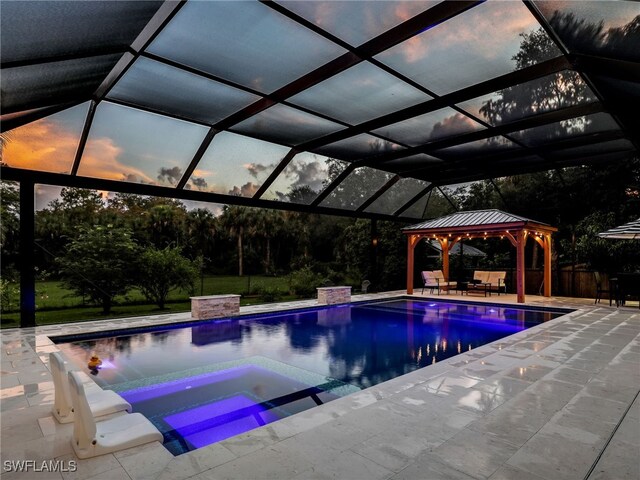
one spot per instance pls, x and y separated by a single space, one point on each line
91 439
496 279
599 289
101 402
365 286
443 282
435 280
429 281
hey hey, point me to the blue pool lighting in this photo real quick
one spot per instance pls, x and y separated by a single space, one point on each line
202 382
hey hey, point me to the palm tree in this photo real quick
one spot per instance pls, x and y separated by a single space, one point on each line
267 224
234 219
201 228
5 137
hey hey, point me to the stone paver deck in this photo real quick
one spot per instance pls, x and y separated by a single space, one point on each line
557 401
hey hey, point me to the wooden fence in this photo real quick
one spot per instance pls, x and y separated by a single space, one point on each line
566 283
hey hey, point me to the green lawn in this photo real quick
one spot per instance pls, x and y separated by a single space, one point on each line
55 304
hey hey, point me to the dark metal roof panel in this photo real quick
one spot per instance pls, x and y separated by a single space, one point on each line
471 218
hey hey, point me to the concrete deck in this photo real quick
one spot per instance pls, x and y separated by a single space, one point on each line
557 401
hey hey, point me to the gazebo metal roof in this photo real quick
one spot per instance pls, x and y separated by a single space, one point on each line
474 218
244 102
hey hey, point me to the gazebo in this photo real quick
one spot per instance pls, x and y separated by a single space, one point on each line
450 229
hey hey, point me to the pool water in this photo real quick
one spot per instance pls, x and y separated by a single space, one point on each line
206 381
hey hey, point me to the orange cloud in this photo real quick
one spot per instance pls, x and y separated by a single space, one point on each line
100 160
203 173
43 145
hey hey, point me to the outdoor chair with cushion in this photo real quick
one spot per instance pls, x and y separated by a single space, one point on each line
91 439
428 281
443 282
496 280
488 282
435 280
101 402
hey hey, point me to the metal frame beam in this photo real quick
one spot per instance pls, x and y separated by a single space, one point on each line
541 69
27 260
15 121
60 179
530 122
202 149
495 158
332 186
276 171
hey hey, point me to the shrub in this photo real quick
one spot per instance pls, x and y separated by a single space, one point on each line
8 295
304 282
160 271
100 263
268 294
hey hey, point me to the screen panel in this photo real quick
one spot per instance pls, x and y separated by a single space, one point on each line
244 42
358 94
357 22
418 209
53 83
413 162
304 178
161 87
397 196
431 126
48 144
354 190
236 165
621 145
596 27
485 146
438 205
584 125
31 30
134 146
358 147
472 47
552 92
283 124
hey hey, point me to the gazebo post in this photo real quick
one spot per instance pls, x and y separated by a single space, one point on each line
521 240
444 245
410 247
547 264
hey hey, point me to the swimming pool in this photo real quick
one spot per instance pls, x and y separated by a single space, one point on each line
205 381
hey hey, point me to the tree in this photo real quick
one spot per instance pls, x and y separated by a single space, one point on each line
235 218
9 224
160 271
604 254
267 224
166 220
100 263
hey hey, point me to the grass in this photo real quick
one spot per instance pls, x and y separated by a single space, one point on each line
56 304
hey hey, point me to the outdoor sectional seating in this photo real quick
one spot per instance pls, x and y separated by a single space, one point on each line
488 281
